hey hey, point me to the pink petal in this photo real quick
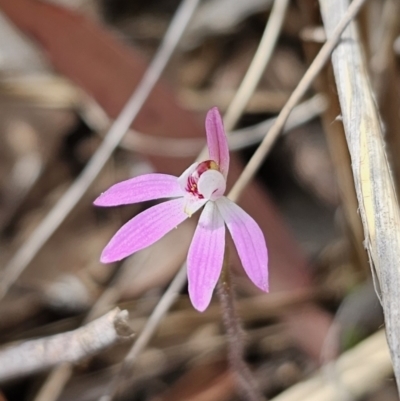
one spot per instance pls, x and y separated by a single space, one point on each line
140 189
144 229
206 255
249 241
216 140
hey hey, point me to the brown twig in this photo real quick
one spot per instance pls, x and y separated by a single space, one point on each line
384 72
337 146
40 354
246 383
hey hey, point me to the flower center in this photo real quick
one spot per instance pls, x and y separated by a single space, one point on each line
193 179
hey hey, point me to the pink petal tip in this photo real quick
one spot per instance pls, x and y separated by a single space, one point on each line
216 140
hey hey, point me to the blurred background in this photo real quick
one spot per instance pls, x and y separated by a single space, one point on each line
67 67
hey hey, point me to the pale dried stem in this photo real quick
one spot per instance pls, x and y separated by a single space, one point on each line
360 371
377 201
248 86
258 64
143 339
167 299
71 197
250 309
301 89
33 356
337 146
59 376
186 147
56 381
385 80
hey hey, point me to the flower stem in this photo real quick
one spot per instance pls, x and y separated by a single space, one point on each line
246 383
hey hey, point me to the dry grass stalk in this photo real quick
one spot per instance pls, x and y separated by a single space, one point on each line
53 386
357 372
373 180
57 215
337 145
170 295
36 355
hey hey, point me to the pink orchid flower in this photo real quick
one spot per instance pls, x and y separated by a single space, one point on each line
202 184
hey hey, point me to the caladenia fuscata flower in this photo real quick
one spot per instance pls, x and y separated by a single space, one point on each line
202 184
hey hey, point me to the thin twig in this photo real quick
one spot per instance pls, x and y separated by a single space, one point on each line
58 378
301 114
71 197
258 64
40 354
167 299
54 384
246 384
304 84
185 147
247 87
384 77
